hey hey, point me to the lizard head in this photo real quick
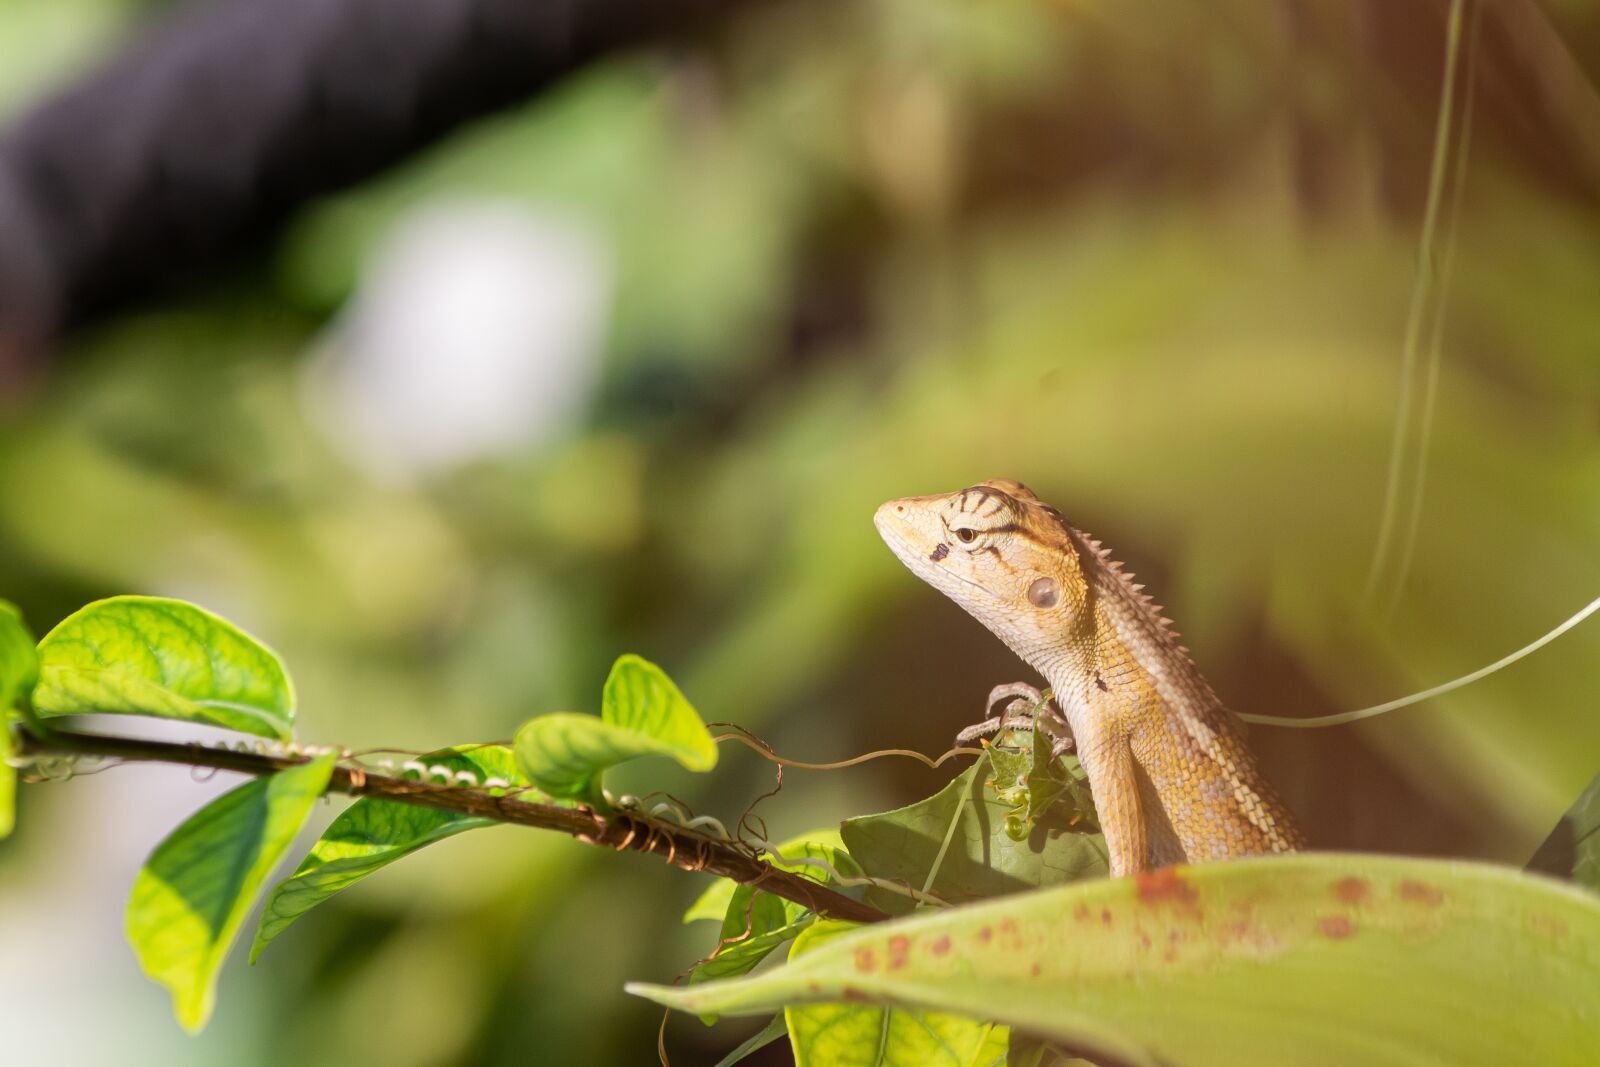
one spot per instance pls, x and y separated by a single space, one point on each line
997 551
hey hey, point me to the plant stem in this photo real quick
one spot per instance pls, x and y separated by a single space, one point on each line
618 830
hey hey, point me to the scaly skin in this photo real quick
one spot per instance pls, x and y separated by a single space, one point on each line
1171 776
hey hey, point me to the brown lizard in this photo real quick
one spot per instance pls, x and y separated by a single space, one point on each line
1171 777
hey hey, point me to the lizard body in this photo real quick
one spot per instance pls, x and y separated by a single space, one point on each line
1171 776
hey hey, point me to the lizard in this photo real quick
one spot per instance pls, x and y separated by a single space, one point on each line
1171 776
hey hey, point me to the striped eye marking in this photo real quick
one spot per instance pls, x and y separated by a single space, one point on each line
940 551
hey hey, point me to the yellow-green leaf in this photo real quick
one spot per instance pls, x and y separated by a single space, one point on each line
139 655
8 781
1321 960
19 663
188 901
19 670
372 833
872 1035
642 714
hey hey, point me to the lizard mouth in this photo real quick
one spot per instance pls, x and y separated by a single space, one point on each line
896 532
962 578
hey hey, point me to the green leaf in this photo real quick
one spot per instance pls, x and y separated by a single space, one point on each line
1031 782
639 696
373 833
713 903
137 655
188 901
19 670
995 1051
19 663
1573 848
755 922
8 781
869 1035
982 860
1315 959
642 714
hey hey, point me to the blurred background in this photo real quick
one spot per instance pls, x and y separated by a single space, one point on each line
455 347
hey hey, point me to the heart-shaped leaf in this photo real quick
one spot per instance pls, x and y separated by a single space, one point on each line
138 655
1322 960
194 890
642 714
372 833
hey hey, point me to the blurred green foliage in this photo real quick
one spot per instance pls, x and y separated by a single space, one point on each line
1151 260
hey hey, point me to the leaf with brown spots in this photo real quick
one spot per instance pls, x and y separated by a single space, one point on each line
1315 959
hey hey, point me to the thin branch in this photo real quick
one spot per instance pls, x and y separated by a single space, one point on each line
619 830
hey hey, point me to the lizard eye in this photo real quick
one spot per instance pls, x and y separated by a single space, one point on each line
1044 593
967 534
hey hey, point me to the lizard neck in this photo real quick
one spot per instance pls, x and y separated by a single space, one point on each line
1121 677
1117 649
1136 623
1093 672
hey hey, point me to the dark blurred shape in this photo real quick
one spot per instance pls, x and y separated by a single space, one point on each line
207 131
1559 851
1573 848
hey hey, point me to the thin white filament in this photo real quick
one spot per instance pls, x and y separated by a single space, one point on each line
1427 694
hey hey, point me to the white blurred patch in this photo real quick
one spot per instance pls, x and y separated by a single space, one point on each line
476 331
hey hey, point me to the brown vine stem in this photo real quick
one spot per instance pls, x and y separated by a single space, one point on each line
618 830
